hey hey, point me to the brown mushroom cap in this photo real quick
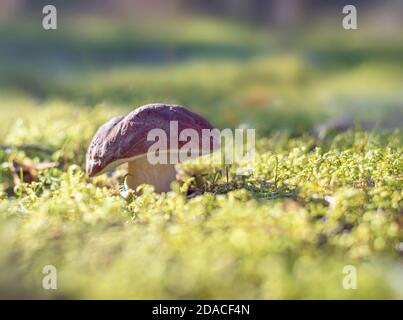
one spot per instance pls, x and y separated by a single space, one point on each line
122 139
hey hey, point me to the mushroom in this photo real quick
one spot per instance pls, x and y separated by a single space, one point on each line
125 139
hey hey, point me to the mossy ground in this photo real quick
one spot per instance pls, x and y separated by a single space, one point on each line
311 206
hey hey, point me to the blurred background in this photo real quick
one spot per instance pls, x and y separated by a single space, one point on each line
273 65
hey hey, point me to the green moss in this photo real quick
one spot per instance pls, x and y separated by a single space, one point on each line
336 204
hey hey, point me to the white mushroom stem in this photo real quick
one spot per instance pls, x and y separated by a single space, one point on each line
159 175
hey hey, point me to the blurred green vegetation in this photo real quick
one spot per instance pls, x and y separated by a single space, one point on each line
286 231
